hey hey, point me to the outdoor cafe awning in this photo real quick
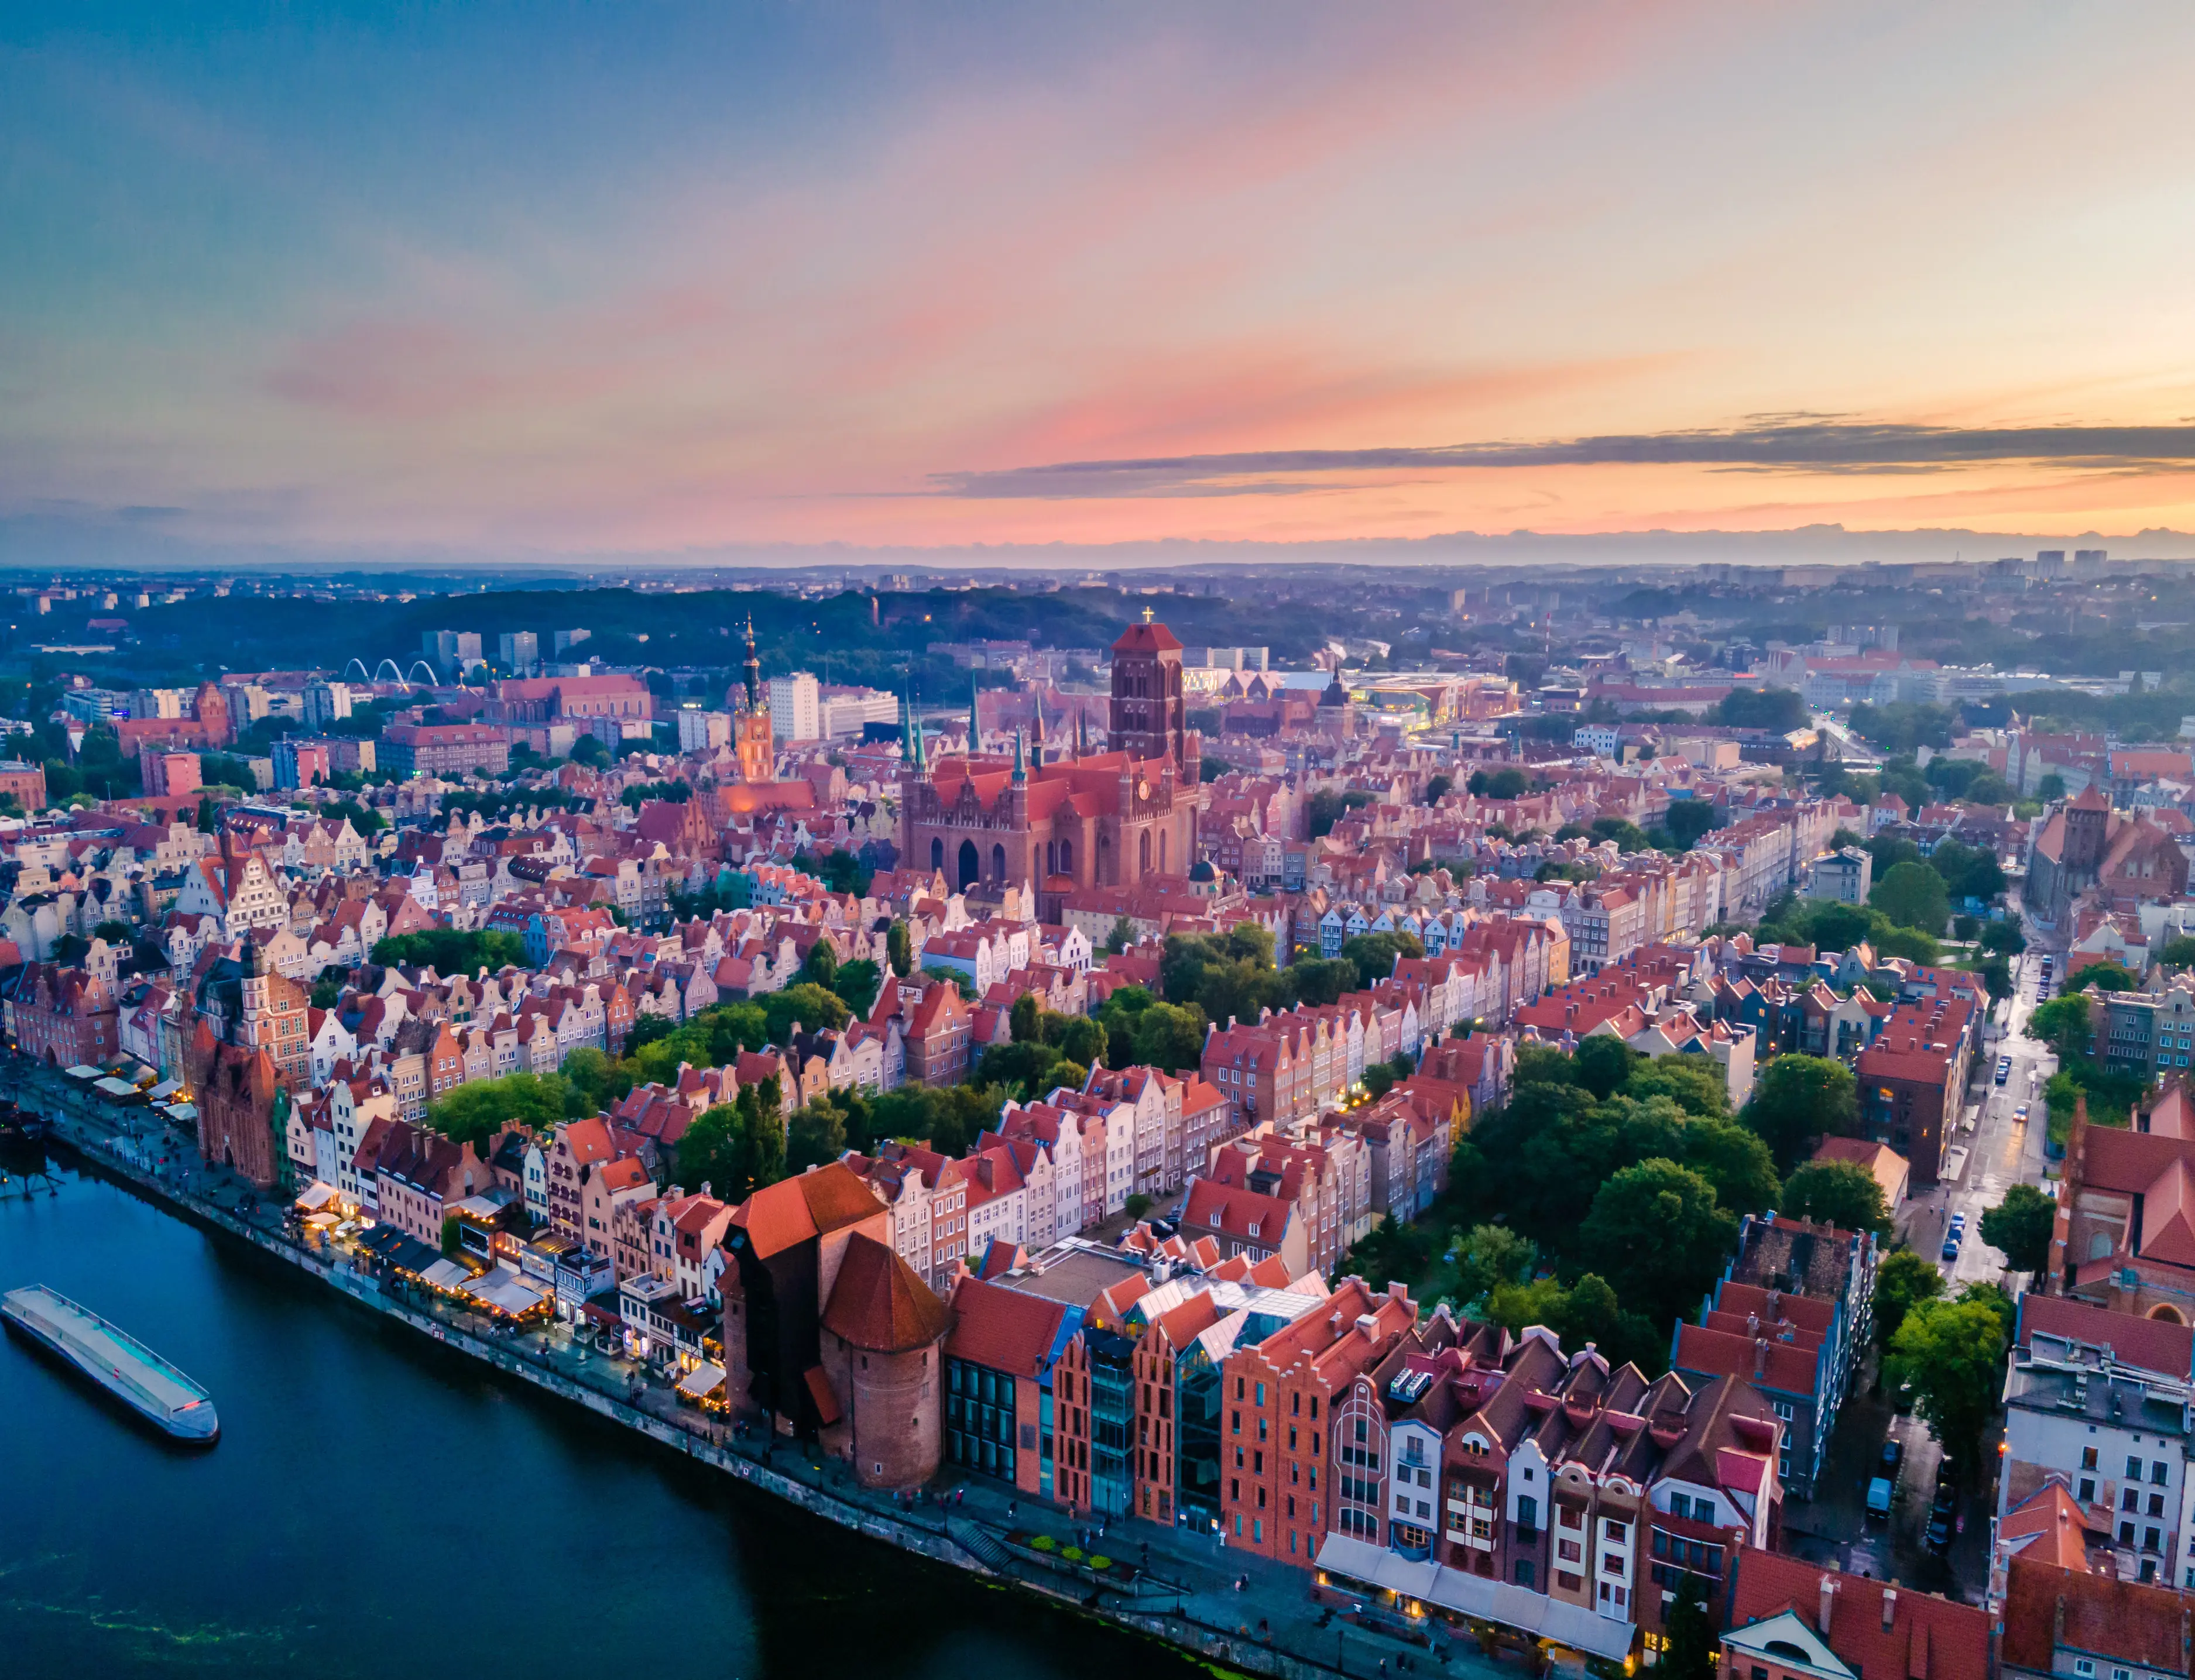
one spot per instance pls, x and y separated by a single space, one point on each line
1453 1590
446 1274
316 1196
703 1380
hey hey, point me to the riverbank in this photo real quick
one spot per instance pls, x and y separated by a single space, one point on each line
1206 1604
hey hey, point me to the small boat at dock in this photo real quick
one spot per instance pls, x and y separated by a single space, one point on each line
118 1362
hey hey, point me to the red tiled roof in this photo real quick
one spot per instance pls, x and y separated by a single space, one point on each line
1923 1638
1003 1330
879 1304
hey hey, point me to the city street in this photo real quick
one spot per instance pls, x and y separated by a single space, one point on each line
1992 1151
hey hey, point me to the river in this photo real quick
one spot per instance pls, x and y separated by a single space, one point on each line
382 1507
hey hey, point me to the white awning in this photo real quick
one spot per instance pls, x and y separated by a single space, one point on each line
446 1275
506 1290
164 1089
316 1196
702 1380
1469 1594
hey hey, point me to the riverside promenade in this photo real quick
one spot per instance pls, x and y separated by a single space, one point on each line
1228 1609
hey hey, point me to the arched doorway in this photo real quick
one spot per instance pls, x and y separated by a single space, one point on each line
970 870
2164 1314
938 856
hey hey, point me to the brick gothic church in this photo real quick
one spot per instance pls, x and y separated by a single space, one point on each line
1086 819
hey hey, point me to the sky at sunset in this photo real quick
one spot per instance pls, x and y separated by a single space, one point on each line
491 280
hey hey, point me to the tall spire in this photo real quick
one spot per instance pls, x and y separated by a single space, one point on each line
1081 732
753 669
1021 769
1038 742
975 728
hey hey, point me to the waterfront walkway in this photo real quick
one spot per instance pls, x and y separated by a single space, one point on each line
1191 1590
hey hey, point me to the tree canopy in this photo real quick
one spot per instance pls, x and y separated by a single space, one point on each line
449 951
2020 1225
1913 895
1952 1353
1842 1194
1797 1101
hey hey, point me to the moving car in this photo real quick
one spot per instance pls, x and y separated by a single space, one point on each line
2020 1114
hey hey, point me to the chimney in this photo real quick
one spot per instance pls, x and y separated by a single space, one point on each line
1828 1603
1760 1354
1889 1607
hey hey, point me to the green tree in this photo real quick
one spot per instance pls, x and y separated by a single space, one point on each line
1902 1280
2109 977
451 1243
1137 1205
816 1136
1733 1159
736 1149
806 1003
1952 1353
2051 787
899 947
476 1111
1842 1194
1913 895
1170 1037
2020 1225
2063 1024
856 983
1122 937
1658 1226
327 987
1694 1083
1436 787
1800 1099
1782 710
1688 819
1375 954
449 951
1627 835
1490 1256
1079 1038
597 1079
2178 953
1692 1644
821 966
1604 1063
2005 938
1504 783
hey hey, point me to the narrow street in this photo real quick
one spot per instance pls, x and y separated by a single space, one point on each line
1993 1149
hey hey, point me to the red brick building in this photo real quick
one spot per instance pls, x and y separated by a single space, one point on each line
64 1017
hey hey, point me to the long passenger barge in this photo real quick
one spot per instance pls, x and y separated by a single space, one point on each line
118 1362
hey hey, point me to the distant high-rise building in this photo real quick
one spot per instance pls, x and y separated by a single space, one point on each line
704 731
2050 563
572 638
796 707
2091 559
326 702
452 650
519 651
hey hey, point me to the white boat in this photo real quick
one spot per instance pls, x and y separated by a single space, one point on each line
118 1362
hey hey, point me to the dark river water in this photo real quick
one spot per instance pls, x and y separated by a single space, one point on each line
379 1506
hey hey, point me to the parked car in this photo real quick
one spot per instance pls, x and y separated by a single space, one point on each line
1959 1222
1939 1534
1893 1458
2003 1068
1879 1494
1950 1246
